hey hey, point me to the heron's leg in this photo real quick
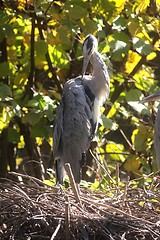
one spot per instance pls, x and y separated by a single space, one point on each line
60 172
83 160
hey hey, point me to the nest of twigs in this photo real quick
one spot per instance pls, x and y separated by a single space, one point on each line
39 211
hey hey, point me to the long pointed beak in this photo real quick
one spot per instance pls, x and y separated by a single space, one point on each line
85 65
151 98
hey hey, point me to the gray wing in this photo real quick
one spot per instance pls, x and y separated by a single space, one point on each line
58 128
157 137
73 128
57 133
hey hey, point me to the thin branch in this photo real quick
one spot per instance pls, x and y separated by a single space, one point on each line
56 231
117 178
74 186
125 137
31 148
32 60
67 216
49 6
50 65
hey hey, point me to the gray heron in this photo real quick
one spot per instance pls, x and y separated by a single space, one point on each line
151 98
78 113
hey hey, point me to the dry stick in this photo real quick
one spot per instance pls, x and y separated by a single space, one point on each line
67 217
56 231
117 178
125 191
31 178
72 182
152 184
105 207
125 137
104 169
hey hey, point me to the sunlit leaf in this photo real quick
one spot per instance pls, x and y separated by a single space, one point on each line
132 165
133 59
114 151
20 79
142 47
119 23
139 138
142 6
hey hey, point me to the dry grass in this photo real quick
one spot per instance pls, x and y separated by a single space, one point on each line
40 212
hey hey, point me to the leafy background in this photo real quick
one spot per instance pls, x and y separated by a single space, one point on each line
40 48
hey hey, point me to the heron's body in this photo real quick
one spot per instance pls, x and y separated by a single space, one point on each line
78 115
157 136
150 98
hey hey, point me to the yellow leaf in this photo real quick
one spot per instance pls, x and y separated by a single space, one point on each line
132 164
21 4
114 150
21 143
119 3
113 110
151 56
133 59
142 6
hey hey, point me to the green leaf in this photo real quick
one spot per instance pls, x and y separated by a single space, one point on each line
5 92
107 123
32 117
16 109
20 79
133 95
13 135
76 11
4 69
41 47
119 45
119 23
141 46
41 129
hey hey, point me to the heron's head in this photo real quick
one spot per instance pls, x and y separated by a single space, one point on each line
90 45
151 98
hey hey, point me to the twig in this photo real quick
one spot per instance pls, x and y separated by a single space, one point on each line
31 178
72 182
67 217
49 6
125 137
107 207
125 191
104 169
117 178
56 231
50 65
153 184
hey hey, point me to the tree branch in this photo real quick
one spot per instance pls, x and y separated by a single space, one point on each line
50 65
31 149
32 60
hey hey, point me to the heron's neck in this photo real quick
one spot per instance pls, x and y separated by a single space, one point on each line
100 77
